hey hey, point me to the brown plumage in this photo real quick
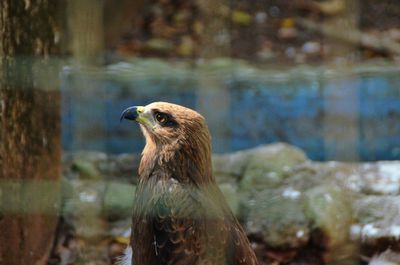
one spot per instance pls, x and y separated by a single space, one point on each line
180 216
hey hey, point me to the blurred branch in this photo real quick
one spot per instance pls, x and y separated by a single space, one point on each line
327 8
352 37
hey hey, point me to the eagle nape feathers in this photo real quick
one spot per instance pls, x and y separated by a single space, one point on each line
180 216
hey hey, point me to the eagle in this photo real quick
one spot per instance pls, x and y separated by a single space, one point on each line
180 216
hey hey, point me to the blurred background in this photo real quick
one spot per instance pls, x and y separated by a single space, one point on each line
287 87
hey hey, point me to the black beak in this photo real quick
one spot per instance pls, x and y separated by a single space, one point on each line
130 113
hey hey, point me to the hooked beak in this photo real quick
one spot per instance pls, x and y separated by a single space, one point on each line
132 113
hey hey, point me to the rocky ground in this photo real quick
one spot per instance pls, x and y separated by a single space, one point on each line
294 210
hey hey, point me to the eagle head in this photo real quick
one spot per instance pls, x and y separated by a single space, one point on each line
173 134
165 123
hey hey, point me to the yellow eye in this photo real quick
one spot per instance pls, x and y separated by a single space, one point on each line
162 118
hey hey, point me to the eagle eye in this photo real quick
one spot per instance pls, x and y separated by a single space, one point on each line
161 118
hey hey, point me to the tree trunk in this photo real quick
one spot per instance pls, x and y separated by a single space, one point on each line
29 130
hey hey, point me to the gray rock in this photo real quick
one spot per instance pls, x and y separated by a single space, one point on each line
304 177
82 207
97 165
268 166
122 167
85 169
118 200
345 175
381 178
378 218
230 167
278 216
83 164
387 257
328 209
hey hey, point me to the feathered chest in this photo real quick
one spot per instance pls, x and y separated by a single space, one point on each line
176 223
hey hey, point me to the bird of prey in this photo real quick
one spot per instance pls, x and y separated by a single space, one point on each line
180 216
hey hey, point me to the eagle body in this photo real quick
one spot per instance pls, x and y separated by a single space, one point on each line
180 216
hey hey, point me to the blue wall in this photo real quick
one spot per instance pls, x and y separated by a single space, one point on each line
327 113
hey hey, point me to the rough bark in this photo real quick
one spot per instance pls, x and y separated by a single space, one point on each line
29 130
